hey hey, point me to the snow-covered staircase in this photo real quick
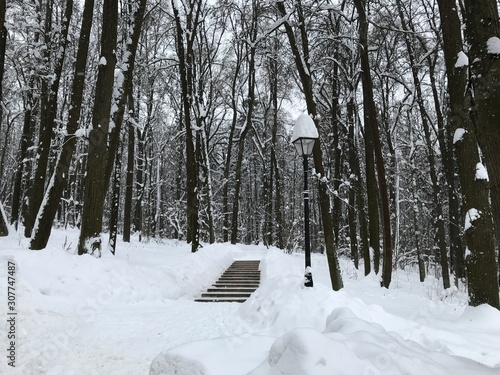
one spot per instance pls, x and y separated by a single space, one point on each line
236 284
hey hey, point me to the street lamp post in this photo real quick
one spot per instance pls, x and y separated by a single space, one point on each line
304 136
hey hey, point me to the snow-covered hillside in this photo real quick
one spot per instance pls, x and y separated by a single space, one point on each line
134 314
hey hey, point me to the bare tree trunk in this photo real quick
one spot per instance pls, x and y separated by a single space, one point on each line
22 164
248 120
479 232
54 192
95 181
207 176
353 191
278 210
127 210
446 146
103 138
356 187
482 31
436 191
50 89
140 182
115 202
185 54
370 115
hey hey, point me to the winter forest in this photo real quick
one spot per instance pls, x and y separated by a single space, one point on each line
148 121
172 119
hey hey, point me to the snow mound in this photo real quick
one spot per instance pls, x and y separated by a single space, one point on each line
221 356
170 363
475 318
306 351
350 345
282 303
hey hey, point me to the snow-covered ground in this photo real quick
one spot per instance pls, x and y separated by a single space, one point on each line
134 314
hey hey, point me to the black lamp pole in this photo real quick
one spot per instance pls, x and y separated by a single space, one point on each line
304 136
308 275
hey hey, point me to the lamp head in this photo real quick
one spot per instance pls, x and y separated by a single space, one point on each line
304 135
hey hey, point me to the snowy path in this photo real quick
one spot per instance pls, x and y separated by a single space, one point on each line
142 332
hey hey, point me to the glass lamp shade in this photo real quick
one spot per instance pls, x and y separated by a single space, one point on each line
304 146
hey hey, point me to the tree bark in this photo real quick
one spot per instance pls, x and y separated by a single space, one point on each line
115 203
140 182
278 210
445 140
129 188
482 31
436 190
95 181
185 55
48 112
250 103
370 115
54 191
479 234
227 163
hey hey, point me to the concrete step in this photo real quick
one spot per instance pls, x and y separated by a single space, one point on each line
237 290
240 277
229 285
226 295
243 270
236 284
210 299
253 272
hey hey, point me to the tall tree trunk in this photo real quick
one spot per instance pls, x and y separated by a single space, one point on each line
126 65
48 112
95 181
302 65
22 164
239 161
250 103
436 190
140 182
185 56
278 210
415 204
445 140
479 233
337 151
482 32
370 115
227 163
115 203
207 176
54 191
357 186
127 210
105 134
